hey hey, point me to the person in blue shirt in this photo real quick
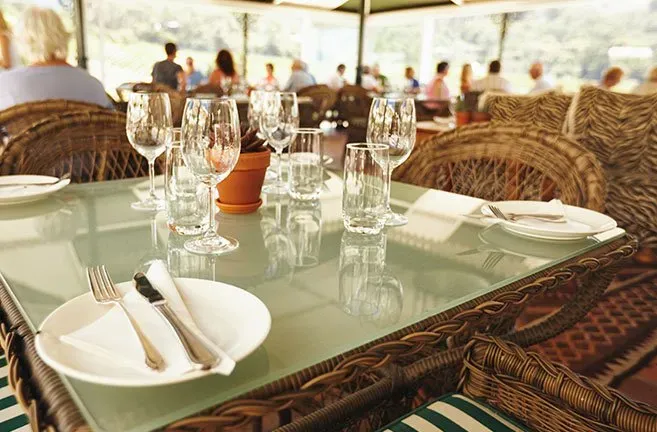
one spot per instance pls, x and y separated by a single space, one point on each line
194 78
412 85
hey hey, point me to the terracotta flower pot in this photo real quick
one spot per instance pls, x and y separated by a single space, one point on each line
480 117
240 191
462 118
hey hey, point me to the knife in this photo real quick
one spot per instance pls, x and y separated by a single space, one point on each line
197 350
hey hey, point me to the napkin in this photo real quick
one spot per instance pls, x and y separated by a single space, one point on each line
112 337
554 207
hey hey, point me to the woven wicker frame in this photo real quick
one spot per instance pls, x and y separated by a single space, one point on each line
21 117
507 162
91 146
547 110
324 99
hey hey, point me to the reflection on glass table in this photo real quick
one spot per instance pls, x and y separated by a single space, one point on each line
304 225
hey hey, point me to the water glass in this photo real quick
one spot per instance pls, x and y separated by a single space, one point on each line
304 225
364 195
360 269
305 172
186 197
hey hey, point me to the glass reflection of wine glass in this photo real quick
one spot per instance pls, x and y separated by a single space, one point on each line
393 122
210 148
149 130
279 247
391 300
154 253
279 122
186 264
361 266
304 224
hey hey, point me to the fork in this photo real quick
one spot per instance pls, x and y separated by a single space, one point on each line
492 260
514 216
105 292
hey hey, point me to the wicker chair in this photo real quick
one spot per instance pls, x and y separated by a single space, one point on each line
91 146
544 396
354 106
20 117
621 130
547 110
323 98
208 88
176 98
507 162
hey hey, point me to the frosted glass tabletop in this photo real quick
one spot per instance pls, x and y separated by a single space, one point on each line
294 256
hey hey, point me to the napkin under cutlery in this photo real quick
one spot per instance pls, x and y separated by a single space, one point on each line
111 336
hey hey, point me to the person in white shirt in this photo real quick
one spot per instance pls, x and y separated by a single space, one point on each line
540 83
336 81
649 86
368 82
493 81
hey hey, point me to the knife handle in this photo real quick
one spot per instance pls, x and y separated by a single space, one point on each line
197 350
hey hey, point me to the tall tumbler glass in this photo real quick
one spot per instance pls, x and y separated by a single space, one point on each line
365 189
305 171
304 225
393 122
360 269
186 197
149 129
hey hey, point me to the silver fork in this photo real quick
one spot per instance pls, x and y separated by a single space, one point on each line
514 216
492 260
104 292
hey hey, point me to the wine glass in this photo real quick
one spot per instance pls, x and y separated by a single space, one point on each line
279 122
393 122
149 128
210 139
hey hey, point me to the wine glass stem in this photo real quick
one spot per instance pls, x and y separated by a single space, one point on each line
211 223
390 168
279 167
153 233
151 177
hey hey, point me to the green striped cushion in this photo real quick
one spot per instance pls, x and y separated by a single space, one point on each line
455 413
12 417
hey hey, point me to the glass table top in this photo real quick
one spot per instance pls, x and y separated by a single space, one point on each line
294 256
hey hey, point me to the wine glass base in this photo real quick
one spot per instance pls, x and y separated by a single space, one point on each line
213 245
395 219
148 205
275 189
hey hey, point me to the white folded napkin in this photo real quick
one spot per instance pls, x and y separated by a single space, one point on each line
553 207
112 337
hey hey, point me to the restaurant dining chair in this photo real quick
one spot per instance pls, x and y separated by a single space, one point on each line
353 106
176 98
506 162
91 146
324 99
500 385
207 89
20 117
547 110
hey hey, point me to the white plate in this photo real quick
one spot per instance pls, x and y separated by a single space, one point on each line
236 320
581 222
21 194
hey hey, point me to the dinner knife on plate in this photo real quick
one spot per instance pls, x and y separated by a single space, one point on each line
197 350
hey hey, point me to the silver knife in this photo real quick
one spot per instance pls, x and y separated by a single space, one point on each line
197 350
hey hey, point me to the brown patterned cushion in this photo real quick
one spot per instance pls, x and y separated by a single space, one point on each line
547 110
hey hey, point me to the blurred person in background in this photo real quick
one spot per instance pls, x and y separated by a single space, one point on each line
304 65
611 78
466 78
649 86
368 81
168 72
540 83
225 69
299 79
194 77
269 82
43 43
8 52
493 81
412 85
381 79
437 88
336 80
